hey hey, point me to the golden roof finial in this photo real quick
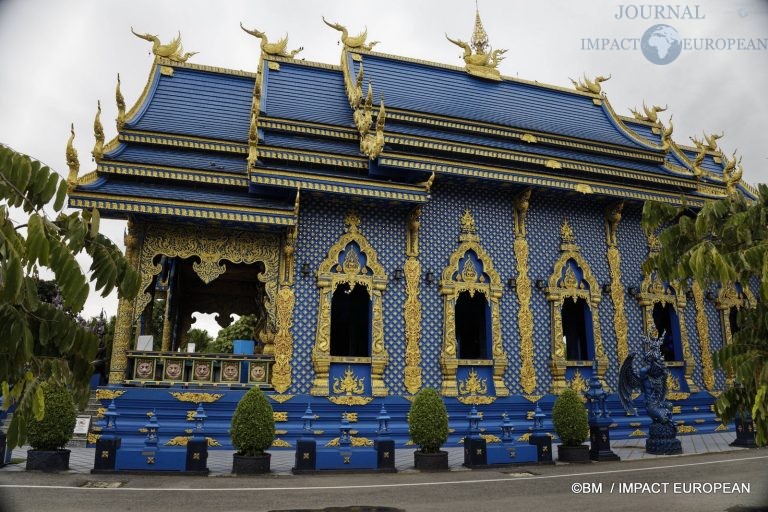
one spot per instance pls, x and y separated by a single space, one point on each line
355 42
120 105
171 51
278 49
731 175
479 36
666 136
72 161
98 133
479 58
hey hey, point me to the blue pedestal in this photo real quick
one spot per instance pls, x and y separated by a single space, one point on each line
243 347
151 460
346 459
510 453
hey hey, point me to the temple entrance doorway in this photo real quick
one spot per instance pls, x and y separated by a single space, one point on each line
351 321
666 322
472 317
577 323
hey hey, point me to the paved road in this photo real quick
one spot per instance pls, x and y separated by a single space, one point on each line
545 488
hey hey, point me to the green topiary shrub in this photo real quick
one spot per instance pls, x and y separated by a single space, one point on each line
253 425
428 421
58 423
569 417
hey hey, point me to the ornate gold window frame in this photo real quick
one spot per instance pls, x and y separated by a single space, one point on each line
456 280
564 284
729 297
213 248
332 273
652 291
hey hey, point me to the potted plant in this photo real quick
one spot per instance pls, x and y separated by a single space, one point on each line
252 431
48 436
569 417
428 428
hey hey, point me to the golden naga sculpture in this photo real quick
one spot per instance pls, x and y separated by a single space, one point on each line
372 144
709 143
98 133
479 58
649 114
697 170
120 105
278 49
612 218
666 136
352 43
590 86
72 161
172 51
731 175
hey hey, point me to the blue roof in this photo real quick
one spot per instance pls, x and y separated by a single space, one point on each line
435 90
178 157
524 147
198 103
117 186
708 163
291 141
306 93
644 130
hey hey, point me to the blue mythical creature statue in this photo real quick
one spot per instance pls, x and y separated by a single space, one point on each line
652 380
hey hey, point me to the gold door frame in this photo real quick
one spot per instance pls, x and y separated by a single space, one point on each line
469 280
564 284
332 273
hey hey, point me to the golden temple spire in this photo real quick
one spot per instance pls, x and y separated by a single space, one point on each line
479 37
120 105
72 161
98 133
479 58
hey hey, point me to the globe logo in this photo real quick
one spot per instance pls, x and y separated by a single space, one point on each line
661 44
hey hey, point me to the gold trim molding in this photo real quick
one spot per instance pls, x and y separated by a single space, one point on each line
331 274
523 287
620 326
470 279
412 308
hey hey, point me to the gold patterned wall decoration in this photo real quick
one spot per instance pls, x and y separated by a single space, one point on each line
412 308
124 320
564 284
332 273
286 299
620 326
212 249
458 278
702 326
523 287
654 291
197 397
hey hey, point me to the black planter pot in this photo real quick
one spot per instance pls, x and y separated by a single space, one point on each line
430 461
48 460
578 454
251 464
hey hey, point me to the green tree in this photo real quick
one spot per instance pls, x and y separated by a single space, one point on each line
244 328
39 341
200 338
726 241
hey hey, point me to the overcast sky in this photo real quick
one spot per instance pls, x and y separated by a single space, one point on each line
58 58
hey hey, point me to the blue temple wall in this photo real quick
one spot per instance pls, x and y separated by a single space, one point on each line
321 224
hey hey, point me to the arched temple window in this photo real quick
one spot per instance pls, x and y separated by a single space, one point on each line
471 289
731 298
472 329
663 309
574 296
576 317
665 321
349 319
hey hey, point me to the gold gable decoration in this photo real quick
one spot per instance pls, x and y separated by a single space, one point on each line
479 58
450 288
357 42
563 284
278 49
373 277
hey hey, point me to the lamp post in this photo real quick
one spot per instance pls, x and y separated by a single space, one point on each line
599 419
